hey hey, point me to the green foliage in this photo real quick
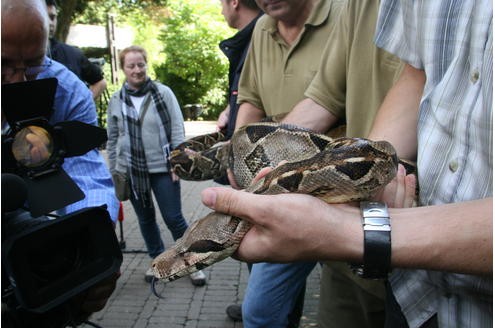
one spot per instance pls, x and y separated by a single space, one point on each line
181 38
95 11
103 100
144 17
194 66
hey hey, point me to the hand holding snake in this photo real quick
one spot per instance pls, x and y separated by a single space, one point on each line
334 170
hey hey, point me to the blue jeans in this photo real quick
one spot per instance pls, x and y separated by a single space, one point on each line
168 198
271 293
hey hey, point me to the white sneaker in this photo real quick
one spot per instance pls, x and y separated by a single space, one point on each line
148 276
198 278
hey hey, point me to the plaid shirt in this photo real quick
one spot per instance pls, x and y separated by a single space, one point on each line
451 40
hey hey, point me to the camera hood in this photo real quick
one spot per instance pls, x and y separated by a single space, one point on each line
35 150
26 100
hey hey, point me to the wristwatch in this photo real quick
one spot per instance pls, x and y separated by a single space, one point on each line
377 242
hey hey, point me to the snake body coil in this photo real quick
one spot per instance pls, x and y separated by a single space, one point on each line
335 170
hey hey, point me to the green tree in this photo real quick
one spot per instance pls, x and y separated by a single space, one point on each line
95 11
180 36
194 66
144 17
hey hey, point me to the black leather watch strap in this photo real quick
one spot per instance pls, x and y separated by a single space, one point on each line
377 241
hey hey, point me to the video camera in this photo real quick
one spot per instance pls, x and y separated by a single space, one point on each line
46 262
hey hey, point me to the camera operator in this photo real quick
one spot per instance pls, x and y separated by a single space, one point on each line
24 44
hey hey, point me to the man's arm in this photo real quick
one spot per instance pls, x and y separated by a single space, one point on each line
92 75
309 114
98 88
433 237
248 113
397 118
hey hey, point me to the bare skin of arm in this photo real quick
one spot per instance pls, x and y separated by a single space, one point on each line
248 113
98 88
309 114
435 237
397 119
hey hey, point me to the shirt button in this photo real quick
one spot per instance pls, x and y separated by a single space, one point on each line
475 75
453 166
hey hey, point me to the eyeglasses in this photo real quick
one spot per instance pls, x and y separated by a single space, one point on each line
8 72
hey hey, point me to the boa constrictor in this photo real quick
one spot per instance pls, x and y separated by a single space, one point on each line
335 170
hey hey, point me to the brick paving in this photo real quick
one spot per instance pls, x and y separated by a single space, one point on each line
133 305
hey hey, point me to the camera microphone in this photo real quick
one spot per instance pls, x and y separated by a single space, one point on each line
14 193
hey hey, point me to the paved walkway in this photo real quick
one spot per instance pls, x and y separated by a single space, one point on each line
132 305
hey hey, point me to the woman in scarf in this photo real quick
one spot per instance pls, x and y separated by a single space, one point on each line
144 122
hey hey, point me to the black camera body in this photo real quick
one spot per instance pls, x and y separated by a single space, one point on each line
45 261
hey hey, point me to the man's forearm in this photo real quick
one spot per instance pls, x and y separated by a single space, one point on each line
98 88
309 114
248 114
396 120
454 237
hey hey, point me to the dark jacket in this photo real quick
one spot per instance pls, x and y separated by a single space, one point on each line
235 49
74 59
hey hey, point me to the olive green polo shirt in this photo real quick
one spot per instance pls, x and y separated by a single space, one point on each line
354 75
275 75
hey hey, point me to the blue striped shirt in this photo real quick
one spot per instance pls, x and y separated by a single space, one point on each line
74 102
451 40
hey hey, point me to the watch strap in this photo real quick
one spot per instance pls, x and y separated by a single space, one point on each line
377 241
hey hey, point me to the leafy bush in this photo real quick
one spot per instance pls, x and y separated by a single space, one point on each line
195 68
181 38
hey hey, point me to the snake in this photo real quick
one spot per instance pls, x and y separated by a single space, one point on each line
336 170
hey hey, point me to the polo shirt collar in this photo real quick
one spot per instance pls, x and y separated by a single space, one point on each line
318 16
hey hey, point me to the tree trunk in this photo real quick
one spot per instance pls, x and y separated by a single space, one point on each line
67 10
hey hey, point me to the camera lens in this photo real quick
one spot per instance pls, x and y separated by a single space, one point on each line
32 146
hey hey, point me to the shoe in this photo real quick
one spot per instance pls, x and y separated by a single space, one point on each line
198 278
234 312
148 276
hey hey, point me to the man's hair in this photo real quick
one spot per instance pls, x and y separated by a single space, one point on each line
125 51
251 4
51 3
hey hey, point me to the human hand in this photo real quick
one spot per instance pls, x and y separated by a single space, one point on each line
401 191
264 171
223 119
233 183
174 176
32 146
38 149
290 227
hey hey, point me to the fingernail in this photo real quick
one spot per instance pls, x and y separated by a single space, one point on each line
209 197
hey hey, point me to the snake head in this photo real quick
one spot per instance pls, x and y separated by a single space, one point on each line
207 241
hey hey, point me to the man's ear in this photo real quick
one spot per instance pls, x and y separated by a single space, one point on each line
235 4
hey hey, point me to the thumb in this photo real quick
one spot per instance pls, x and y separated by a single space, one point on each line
228 201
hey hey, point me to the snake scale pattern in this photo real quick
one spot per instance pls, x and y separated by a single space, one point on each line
334 170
